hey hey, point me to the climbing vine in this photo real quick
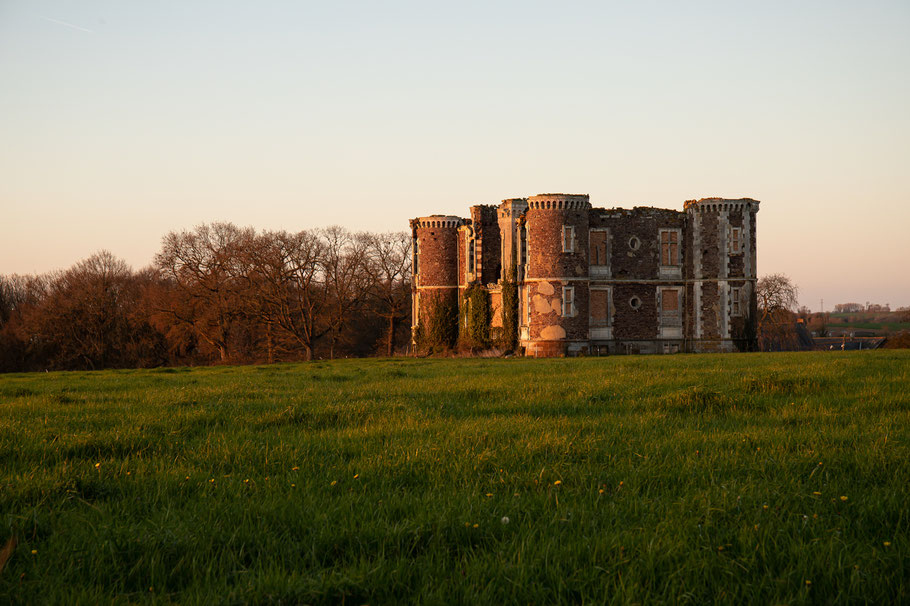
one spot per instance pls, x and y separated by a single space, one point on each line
507 338
439 328
474 327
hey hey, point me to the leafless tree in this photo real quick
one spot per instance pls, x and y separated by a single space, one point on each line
347 279
389 257
206 269
286 283
777 298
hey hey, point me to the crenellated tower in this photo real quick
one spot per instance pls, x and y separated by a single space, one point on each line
721 236
553 307
434 287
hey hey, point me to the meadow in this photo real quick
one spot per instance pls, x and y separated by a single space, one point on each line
742 478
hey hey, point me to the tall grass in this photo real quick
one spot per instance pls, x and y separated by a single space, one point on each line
753 478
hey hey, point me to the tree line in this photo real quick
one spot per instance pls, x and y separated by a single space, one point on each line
216 294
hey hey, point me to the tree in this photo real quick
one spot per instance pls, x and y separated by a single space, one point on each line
286 283
347 279
776 297
90 316
206 269
389 261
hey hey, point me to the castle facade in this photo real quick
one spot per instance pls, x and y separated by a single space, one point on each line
595 281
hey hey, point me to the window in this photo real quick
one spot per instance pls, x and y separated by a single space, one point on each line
568 238
568 301
524 247
634 243
635 303
600 307
736 244
735 301
527 305
598 242
669 247
470 256
669 306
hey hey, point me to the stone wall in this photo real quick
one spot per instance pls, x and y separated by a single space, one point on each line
638 276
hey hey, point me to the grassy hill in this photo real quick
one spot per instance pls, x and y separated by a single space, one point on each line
751 478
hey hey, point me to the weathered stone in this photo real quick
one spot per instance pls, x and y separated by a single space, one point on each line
602 280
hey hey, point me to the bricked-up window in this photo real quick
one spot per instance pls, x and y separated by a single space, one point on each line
735 302
736 243
568 238
598 240
669 305
568 301
600 307
527 305
669 247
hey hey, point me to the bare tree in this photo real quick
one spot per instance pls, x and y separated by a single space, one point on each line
206 269
347 280
389 258
85 313
286 283
777 297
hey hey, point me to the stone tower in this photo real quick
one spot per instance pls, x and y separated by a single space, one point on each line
435 266
556 274
722 266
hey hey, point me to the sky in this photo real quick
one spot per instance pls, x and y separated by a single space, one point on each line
121 121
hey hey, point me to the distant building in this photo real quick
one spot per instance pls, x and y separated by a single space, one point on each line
596 280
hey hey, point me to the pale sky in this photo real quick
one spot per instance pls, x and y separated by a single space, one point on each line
123 120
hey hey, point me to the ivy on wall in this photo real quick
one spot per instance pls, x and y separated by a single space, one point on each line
508 337
439 329
474 325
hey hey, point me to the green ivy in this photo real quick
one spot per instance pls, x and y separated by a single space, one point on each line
474 325
439 329
508 336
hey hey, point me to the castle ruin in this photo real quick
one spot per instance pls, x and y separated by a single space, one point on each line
593 280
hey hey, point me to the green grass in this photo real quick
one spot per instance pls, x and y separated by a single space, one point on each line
686 478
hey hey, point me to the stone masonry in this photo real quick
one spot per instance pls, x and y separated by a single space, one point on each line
599 281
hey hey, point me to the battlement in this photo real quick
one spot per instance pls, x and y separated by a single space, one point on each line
721 204
559 202
438 221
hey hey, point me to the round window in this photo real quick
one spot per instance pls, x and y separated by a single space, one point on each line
634 302
634 243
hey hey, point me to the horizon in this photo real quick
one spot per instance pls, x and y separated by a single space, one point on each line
125 123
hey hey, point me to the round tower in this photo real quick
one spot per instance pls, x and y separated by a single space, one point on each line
556 281
435 240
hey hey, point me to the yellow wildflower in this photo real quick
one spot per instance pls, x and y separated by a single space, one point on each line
887 543
557 482
334 482
843 498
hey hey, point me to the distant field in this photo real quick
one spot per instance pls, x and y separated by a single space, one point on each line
747 478
882 322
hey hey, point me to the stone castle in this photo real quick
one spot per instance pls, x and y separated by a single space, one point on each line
597 281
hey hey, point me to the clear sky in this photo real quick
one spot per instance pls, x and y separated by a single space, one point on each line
123 120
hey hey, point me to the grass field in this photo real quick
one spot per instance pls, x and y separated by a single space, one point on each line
747 478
